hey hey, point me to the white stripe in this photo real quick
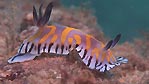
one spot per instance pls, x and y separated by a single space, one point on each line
93 61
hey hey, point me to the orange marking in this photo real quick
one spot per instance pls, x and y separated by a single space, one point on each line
103 56
65 33
110 56
70 40
36 35
95 51
54 38
77 38
107 55
88 42
103 52
102 45
113 58
46 36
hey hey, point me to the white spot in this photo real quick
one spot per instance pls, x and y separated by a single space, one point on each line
81 53
46 50
85 60
78 48
92 64
102 69
23 48
65 52
52 50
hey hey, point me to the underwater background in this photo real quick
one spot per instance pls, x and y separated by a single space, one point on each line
103 19
128 17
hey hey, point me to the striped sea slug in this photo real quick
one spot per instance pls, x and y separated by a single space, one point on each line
61 40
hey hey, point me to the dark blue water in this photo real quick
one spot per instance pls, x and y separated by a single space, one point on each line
128 17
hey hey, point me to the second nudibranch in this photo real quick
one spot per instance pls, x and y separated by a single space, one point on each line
62 39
